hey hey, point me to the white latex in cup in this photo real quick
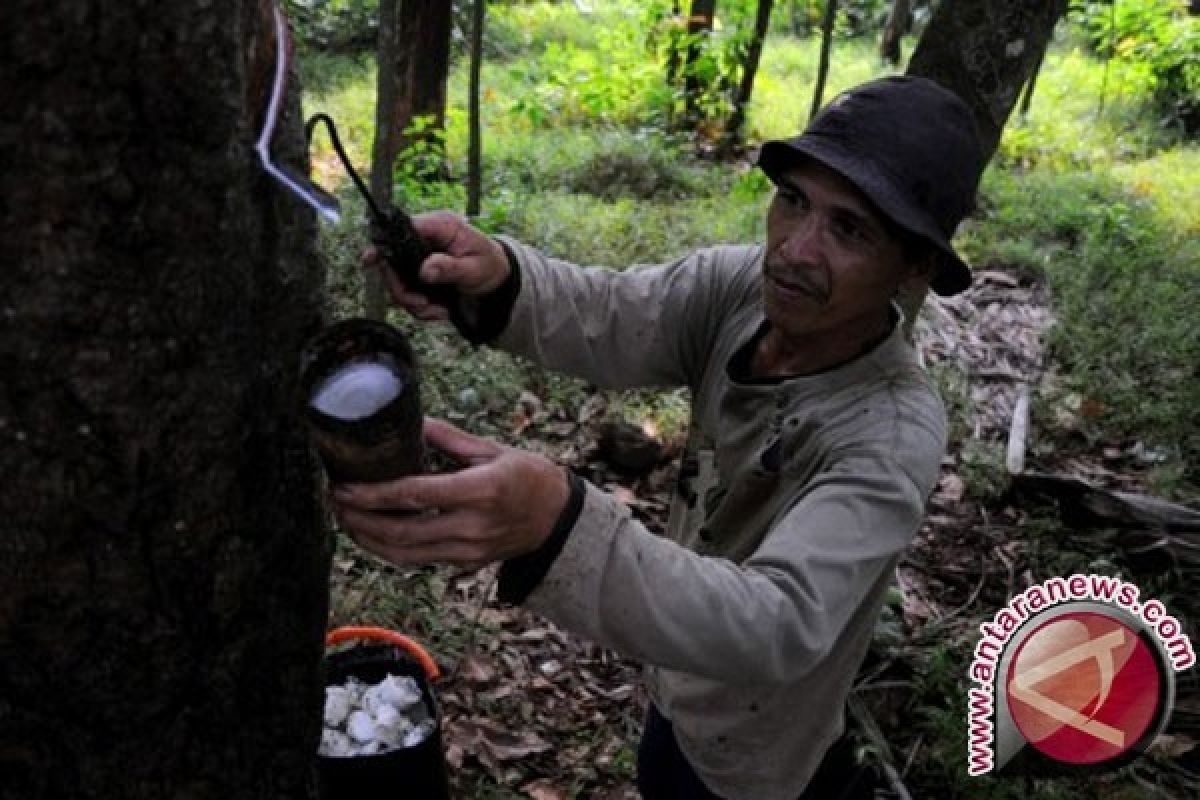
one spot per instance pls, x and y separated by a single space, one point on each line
357 391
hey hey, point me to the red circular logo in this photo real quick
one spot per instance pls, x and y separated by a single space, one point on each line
1083 688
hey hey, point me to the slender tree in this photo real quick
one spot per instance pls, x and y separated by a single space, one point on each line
1030 85
163 568
733 126
826 47
391 60
475 143
699 31
893 31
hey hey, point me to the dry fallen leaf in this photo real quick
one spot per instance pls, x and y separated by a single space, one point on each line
543 789
476 670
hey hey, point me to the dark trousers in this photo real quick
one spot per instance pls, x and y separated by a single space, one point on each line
664 773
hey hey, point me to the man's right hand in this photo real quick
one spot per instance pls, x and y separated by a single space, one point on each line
464 257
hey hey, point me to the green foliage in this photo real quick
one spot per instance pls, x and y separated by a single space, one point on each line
419 176
522 31
643 165
981 466
861 17
571 85
1159 37
784 84
1120 254
1069 126
339 25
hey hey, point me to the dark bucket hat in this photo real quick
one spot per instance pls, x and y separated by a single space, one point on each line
911 147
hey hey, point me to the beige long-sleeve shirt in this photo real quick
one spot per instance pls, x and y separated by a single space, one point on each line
795 499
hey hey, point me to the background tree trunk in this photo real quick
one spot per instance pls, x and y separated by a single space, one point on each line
413 60
475 142
733 126
433 22
163 568
985 51
391 115
699 30
823 64
893 31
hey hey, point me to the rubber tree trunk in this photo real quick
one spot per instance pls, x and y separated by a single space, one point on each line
733 126
893 31
985 51
163 568
388 93
413 59
431 67
827 22
475 124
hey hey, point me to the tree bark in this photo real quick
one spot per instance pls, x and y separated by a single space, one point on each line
163 568
699 30
434 23
985 51
390 117
413 64
475 142
823 64
894 30
733 126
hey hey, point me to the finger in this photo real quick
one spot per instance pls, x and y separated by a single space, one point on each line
463 447
399 289
457 554
422 539
412 530
370 256
426 311
421 307
444 268
448 491
438 228
432 313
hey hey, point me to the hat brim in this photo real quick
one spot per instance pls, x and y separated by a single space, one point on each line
776 157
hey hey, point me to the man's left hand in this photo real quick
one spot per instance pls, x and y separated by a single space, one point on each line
503 503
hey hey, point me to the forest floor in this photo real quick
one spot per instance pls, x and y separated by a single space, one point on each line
531 711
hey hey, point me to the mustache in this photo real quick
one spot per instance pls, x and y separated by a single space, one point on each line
795 279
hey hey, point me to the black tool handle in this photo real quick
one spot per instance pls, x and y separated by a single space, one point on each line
404 250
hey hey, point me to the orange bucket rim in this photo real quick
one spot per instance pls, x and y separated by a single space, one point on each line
373 633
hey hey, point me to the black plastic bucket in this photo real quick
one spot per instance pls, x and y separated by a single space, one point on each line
408 773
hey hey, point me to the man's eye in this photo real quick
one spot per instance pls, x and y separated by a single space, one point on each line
791 198
848 229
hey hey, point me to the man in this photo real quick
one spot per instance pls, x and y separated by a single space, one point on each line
815 441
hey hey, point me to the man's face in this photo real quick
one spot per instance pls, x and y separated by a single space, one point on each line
832 265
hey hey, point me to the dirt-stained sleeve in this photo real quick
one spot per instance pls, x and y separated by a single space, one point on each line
771 619
645 326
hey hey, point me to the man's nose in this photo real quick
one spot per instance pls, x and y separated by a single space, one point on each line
803 241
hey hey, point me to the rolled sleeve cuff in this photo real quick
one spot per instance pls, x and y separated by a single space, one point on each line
521 575
483 319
